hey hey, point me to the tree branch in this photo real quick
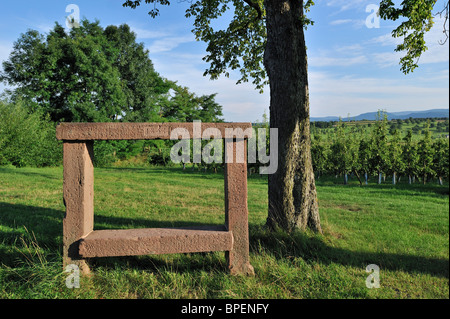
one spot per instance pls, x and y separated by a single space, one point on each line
440 13
256 7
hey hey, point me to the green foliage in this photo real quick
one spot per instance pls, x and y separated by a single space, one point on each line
145 90
160 157
103 153
417 19
27 138
379 144
185 106
441 157
209 110
159 152
339 155
108 152
395 161
154 12
343 154
374 151
319 154
364 155
240 46
90 74
425 153
409 155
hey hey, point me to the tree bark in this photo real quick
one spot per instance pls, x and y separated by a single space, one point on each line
292 191
358 177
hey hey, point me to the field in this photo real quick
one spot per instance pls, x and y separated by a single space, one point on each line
404 229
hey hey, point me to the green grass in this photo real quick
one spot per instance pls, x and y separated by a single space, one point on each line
404 229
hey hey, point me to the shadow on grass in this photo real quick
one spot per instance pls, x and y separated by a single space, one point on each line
22 225
46 225
43 226
312 248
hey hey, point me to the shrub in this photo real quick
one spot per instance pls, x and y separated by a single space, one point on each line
161 157
27 138
104 153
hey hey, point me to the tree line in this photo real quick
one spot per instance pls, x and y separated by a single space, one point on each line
383 152
88 74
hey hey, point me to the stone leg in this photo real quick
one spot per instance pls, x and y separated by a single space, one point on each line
236 210
78 192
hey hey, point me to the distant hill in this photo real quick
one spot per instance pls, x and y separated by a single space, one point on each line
371 116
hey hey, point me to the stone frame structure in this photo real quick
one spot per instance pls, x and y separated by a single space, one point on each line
81 241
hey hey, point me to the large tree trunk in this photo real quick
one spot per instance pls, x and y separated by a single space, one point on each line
292 191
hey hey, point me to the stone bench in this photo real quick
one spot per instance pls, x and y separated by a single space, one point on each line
81 241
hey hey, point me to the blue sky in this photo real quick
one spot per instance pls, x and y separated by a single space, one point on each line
353 69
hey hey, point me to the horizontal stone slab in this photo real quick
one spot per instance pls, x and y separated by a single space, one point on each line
147 241
150 131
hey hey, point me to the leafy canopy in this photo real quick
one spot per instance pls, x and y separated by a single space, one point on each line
417 19
92 74
89 74
241 45
67 75
238 47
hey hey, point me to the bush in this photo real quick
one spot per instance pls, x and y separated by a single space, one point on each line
108 152
27 138
161 157
104 153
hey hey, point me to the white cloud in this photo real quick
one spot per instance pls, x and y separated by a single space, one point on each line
148 34
161 40
317 61
341 21
386 40
344 5
370 85
355 23
352 48
387 59
169 43
339 95
339 56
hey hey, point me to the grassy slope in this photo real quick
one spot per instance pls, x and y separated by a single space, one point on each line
403 229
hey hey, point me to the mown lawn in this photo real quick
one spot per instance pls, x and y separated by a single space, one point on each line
404 229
